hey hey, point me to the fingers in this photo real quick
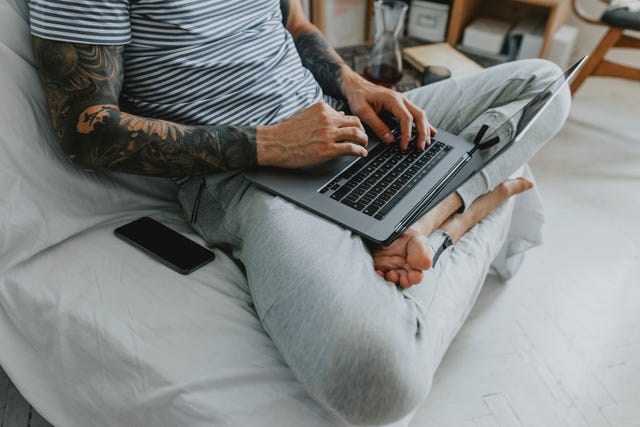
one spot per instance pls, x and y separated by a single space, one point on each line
348 128
402 113
403 110
350 121
370 117
351 134
348 149
423 129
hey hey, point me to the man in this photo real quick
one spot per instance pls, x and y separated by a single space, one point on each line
202 89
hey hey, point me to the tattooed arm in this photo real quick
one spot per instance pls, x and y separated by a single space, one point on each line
82 85
324 63
336 79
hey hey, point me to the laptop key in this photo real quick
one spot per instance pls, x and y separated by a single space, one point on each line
356 205
370 210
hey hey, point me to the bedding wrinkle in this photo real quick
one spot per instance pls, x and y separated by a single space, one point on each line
94 333
25 57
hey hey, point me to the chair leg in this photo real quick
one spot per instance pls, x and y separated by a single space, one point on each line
609 40
611 69
627 41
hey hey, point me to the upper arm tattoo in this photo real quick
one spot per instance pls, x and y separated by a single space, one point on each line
75 76
82 84
285 8
316 55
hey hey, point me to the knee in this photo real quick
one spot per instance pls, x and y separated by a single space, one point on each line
547 72
374 378
543 71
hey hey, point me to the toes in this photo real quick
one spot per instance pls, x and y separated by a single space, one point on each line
415 277
380 273
404 280
516 186
393 276
527 184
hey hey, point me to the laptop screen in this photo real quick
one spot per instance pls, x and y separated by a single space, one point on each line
499 139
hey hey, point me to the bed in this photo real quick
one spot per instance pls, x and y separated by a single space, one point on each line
94 333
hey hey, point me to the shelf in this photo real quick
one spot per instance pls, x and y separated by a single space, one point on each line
464 11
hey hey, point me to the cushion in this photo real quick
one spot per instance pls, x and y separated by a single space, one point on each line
622 18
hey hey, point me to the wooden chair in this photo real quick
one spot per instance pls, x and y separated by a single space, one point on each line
617 20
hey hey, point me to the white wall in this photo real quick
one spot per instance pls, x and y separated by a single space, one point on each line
589 35
345 24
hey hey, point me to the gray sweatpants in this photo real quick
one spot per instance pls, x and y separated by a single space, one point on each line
362 347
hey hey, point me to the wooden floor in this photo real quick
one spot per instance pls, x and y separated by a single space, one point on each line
559 345
14 410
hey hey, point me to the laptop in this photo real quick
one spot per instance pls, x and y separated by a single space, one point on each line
381 195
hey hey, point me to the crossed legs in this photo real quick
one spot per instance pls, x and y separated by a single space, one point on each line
461 107
364 348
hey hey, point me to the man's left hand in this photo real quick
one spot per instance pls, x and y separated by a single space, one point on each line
366 100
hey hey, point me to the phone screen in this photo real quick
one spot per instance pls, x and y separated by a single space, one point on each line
165 245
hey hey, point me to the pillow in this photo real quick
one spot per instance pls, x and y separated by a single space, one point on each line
44 199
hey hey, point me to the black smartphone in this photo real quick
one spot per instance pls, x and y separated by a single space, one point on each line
165 245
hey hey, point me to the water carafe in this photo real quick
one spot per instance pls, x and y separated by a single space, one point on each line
385 63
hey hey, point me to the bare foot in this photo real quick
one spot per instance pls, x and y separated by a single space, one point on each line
404 260
457 224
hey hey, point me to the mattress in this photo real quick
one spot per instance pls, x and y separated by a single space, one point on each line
93 332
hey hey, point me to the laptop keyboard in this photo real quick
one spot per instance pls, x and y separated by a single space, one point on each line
376 183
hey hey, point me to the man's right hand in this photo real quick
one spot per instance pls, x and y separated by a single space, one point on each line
313 135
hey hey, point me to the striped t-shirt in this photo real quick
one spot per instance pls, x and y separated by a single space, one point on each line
191 61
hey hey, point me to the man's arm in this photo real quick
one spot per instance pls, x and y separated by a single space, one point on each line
82 85
337 79
316 54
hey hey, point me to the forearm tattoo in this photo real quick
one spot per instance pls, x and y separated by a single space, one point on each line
82 84
316 56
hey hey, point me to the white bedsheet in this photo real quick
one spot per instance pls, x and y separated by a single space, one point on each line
93 332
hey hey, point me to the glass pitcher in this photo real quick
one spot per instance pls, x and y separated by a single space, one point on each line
385 63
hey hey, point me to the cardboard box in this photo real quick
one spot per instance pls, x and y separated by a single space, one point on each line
486 34
428 20
562 46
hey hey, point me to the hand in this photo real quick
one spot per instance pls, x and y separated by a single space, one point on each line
313 135
366 100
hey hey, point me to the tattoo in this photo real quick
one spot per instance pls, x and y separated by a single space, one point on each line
284 8
82 84
76 74
316 55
